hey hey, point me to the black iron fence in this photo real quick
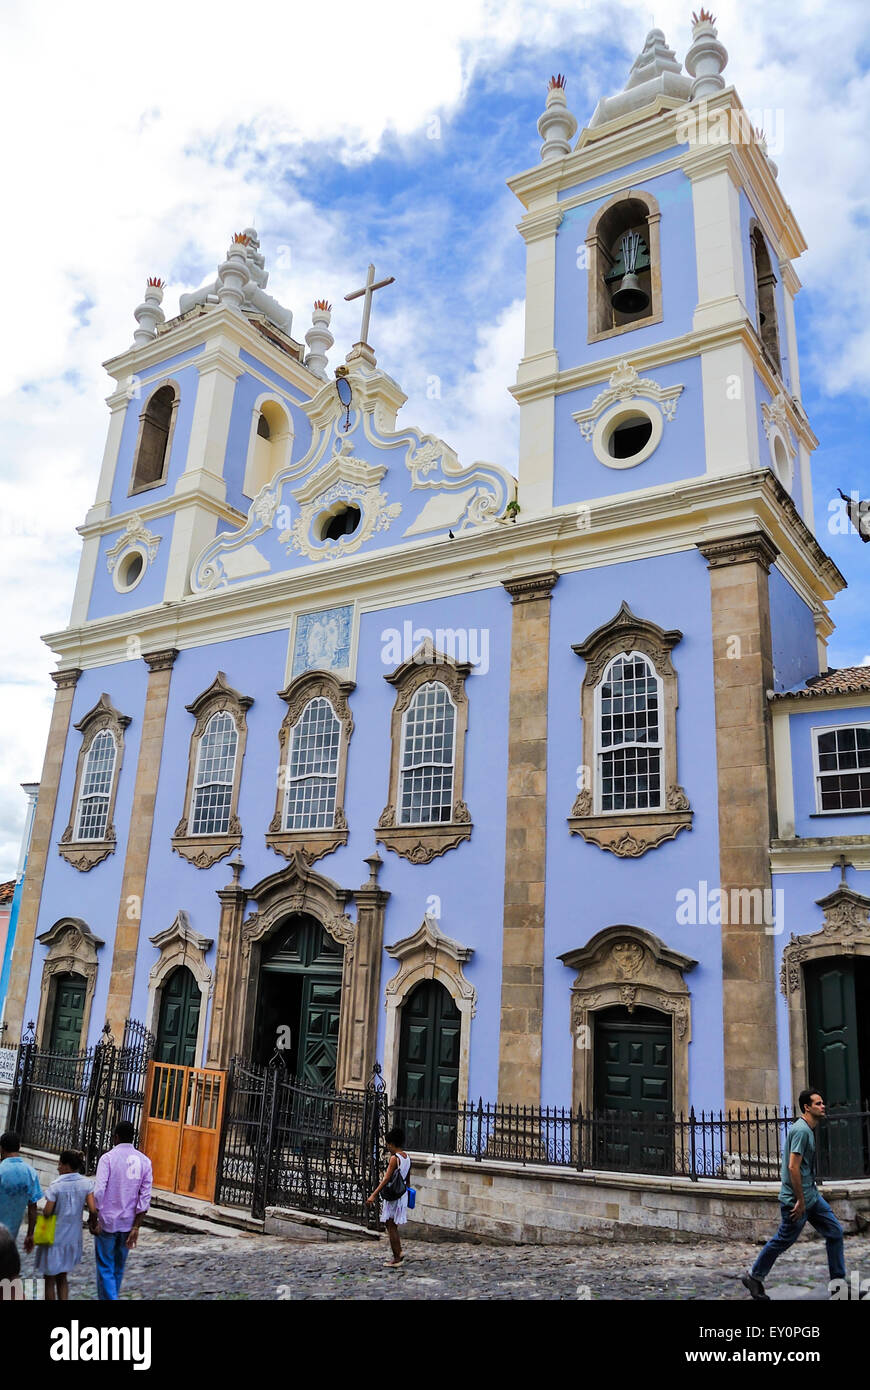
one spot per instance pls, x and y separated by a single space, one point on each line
745 1145
293 1145
74 1100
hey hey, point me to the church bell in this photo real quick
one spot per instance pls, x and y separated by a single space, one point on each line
629 297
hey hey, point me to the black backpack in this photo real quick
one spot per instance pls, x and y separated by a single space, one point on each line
396 1187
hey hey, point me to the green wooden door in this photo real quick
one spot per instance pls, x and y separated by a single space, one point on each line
67 1015
633 1091
178 1025
300 1000
834 1053
429 1067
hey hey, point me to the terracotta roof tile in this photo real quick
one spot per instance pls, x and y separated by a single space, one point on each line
6 891
848 680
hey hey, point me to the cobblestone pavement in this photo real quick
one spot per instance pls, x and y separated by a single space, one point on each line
169 1265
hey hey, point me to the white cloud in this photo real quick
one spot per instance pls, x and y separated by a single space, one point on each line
136 143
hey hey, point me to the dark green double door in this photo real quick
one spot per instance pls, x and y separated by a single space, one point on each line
428 1080
178 1025
68 1014
633 1095
838 1037
300 1001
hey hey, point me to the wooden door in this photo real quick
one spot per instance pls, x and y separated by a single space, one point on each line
181 1127
178 1025
834 1046
429 1067
633 1096
67 1015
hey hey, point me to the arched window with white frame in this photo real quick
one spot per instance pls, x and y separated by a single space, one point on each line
92 814
428 752
629 732
312 769
215 774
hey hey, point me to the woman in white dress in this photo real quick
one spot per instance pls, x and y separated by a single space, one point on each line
67 1197
394 1210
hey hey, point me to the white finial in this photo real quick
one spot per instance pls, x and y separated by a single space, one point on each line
706 58
149 313
556 125
319 338
233 274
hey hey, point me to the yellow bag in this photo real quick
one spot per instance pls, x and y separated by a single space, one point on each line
43 1233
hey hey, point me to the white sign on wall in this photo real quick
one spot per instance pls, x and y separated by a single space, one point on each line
8 1056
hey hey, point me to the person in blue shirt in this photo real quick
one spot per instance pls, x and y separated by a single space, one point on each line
19 1189
800 1200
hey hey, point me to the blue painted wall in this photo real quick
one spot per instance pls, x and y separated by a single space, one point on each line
589 889
793 635
579 475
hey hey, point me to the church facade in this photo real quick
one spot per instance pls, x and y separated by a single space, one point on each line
534 788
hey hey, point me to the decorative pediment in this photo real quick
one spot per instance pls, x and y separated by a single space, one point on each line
102 716
845 931
429 955
220 695
182 937
71 933
299 888
777 416
135 536
625 385
625 952
343 467
427 657
626 632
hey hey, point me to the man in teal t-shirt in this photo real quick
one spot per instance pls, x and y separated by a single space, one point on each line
800 1200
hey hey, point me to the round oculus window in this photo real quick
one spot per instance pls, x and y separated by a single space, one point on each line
129 571
344 522
627 434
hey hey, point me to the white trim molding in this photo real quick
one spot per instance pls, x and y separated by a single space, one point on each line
626 388
135 539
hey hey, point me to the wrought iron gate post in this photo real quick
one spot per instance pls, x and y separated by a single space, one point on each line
264 1162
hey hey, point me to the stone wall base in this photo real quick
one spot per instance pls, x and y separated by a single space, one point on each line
510 1204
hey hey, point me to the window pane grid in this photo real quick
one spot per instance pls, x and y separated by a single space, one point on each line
629 734
426 768
215 771
844 769
312 771
96 789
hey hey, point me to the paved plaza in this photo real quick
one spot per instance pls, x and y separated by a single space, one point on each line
170 1265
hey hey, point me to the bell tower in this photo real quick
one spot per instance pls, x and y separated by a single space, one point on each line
660 343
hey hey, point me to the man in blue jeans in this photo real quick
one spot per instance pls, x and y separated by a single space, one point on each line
800 1200
122 1191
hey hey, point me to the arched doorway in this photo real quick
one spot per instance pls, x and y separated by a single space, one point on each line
67 1014
633 1089
178 1025
428 1079
299 1001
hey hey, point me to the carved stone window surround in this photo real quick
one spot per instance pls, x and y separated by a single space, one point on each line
845 932
205 850
84 854
630 833
420 843
71 950
428 955
309 686
630 966
180 945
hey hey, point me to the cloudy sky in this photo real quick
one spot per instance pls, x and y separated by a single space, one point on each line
138 141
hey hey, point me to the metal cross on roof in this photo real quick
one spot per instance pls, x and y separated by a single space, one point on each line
367 291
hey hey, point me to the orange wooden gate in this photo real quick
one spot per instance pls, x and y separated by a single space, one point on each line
181 1127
